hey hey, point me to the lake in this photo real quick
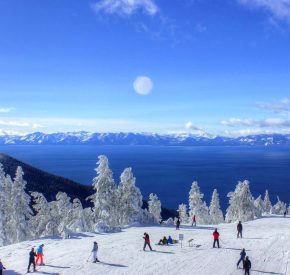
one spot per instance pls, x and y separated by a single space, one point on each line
169 171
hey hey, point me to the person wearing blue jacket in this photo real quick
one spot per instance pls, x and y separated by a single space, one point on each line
170 241
242 257
39 253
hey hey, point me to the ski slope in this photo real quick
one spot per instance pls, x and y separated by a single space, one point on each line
267 243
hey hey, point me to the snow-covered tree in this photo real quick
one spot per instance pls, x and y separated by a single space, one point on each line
196 205
279 208
182 213
215 212
260 207
3 201
267 203
130 199
154 207
105 199
21 212
241 204
43 222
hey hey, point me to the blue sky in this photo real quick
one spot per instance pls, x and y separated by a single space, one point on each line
215 66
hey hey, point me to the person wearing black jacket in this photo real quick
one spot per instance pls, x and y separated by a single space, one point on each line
247 266
240 230
177 224
32 256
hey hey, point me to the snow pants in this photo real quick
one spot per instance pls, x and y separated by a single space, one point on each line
240 260
145 244
39 257
218 243
247 271
239 234
1 272
31 262
193 223
94 256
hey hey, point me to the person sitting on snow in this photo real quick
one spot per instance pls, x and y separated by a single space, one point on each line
165 241
170 241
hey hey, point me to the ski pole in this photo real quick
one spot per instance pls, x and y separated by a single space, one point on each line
89 256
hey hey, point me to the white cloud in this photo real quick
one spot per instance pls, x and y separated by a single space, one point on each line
126 7
5 110
277 8
268 122
280 106
189 126
143 85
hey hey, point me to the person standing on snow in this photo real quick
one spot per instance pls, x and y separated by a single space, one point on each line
39 255
285 213
32 256
177 224
247 266
193 221
240 230
94 252
146 241
242 257
216 236
1 268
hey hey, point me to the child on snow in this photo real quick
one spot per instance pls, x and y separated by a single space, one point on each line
94 252
32 256
216 236
1 268
39 254
146 241
242 257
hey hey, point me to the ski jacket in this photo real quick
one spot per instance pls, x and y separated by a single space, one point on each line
247 264
32 255
178 222
193 219
239 227
95 248
243 255
216 235
40 250
146 238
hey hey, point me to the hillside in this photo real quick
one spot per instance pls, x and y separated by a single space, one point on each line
182 139
266 242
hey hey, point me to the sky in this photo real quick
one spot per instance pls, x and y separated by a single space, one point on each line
220 67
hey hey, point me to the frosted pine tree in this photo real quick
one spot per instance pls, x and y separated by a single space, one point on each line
182 213
279 208
215 212
21 213
260 207
154 207
197 207
3 201
130 199
241 204
267 203
105 199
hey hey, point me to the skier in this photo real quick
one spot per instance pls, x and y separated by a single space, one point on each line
193 221
240 230
285 213
247 266
177 224
242 257
32 256
94 252
39 254
146 241
216 236
1 268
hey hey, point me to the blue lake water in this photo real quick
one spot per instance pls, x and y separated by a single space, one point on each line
169 171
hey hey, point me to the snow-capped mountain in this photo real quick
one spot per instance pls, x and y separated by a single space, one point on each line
180 139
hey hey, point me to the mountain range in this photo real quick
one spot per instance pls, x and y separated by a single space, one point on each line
181 139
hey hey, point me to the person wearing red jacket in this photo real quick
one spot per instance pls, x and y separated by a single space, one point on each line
216 236
146 241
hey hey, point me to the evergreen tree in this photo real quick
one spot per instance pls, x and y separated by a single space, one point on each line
260 207
182 213
130 199
105 199
241 204
197 207
267 203
3 201
215 212
154 207
279 208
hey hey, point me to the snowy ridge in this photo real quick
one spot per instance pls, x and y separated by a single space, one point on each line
266 242
181 139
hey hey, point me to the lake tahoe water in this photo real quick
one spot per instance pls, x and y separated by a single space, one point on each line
169 171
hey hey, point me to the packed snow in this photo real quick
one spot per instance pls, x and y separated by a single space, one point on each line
266 240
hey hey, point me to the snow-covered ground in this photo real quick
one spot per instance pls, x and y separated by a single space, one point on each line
267 243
